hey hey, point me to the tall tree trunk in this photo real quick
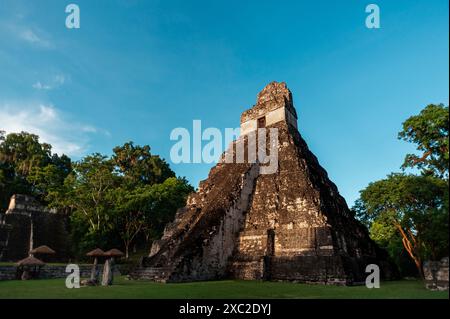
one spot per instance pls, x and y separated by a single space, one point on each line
411 247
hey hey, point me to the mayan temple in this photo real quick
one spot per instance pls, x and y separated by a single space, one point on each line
291 224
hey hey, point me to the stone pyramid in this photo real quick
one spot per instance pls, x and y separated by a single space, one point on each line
288 225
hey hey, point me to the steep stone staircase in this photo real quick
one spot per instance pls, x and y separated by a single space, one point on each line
145 272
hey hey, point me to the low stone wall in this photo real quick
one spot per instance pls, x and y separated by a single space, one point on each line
4 236
436 274
51 272
8 272
247 269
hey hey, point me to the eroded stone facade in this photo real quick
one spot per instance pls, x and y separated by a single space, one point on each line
289 225
49 228
436 274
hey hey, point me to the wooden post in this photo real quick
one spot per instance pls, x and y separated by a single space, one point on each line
94 270
31 234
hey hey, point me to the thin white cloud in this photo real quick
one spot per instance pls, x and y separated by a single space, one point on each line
89 129
39 86
32 35
55 82
59 79
50 124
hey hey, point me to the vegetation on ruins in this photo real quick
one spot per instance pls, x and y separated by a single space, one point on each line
110 201
409 212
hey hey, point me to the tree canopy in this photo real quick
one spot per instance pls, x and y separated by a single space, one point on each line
409 205
110 200
429 131
413 209
120 198
28 166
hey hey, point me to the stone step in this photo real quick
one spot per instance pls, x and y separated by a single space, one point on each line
159 274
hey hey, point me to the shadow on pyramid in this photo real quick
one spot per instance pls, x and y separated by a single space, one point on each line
245 223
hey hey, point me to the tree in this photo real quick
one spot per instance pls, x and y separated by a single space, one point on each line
408 204
387 237
148 208
139 166
109 199
410 208
130 210
117 198
47 179
143 176
166 198
87 192
25 164
429 131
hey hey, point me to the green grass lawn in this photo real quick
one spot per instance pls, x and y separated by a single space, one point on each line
55 288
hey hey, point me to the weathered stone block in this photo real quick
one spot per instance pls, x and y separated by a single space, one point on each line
436 274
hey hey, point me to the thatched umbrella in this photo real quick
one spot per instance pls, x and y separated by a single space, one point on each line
42 250
95 253
114 253
108 275
28 263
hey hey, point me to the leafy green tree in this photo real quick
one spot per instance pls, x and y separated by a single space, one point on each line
166 198
139 166
117 198
387 237
130 209
25 164
407 204
87 192
429 131
109 199
143 177
47 179
409 208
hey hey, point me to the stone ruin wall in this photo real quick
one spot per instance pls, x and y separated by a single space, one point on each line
436 274
287 233
5 231
212 263
198 244
49 228
12 272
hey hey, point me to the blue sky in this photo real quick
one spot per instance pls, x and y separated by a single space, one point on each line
135 70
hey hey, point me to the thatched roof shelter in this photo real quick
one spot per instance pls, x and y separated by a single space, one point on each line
30 261
114 253
43 250
97 252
